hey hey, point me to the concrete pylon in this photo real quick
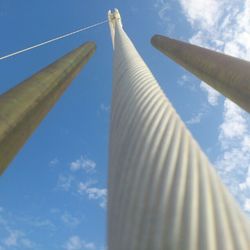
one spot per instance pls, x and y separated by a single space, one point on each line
162 191
227 74
23 107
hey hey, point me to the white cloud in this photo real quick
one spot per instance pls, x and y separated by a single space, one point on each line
234 162
213 95
83 163
195 119
234 124
246 184
186 81
12 233
93 193
73 182
230 34
247 205
76 243
203 39
201 13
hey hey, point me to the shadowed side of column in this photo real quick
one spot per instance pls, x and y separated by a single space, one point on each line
227 74
23 107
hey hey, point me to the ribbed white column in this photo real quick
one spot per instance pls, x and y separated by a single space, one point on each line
163 192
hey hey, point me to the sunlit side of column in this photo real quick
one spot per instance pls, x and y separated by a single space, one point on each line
229 75
24 107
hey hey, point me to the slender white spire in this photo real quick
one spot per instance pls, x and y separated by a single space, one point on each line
114 19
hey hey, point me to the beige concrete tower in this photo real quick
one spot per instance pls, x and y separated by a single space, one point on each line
23 107
227 74
163 194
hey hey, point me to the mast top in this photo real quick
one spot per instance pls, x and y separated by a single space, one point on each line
114 18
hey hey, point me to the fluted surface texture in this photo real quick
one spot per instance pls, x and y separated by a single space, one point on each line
229 75
23 107
163 192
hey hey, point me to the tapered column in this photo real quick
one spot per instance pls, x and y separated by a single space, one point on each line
227 74
23 107
163 193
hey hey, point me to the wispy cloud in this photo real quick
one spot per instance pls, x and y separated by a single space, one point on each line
234 125
11 237
79 187
17 238
36 222
76 243
164 7
195 119
65 182
14 233
104 108
234 162
212 94
83 163
187 81
54 162
93 193
70 220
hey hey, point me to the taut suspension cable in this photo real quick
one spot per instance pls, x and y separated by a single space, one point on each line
52 40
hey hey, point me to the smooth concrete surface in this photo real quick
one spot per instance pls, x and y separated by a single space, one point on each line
228 75
23 107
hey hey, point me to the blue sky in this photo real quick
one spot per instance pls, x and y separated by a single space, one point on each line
53 194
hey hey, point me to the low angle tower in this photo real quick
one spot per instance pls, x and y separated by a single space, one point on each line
163 193
227 74
23 107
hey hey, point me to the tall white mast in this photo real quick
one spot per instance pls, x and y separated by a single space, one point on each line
163 192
